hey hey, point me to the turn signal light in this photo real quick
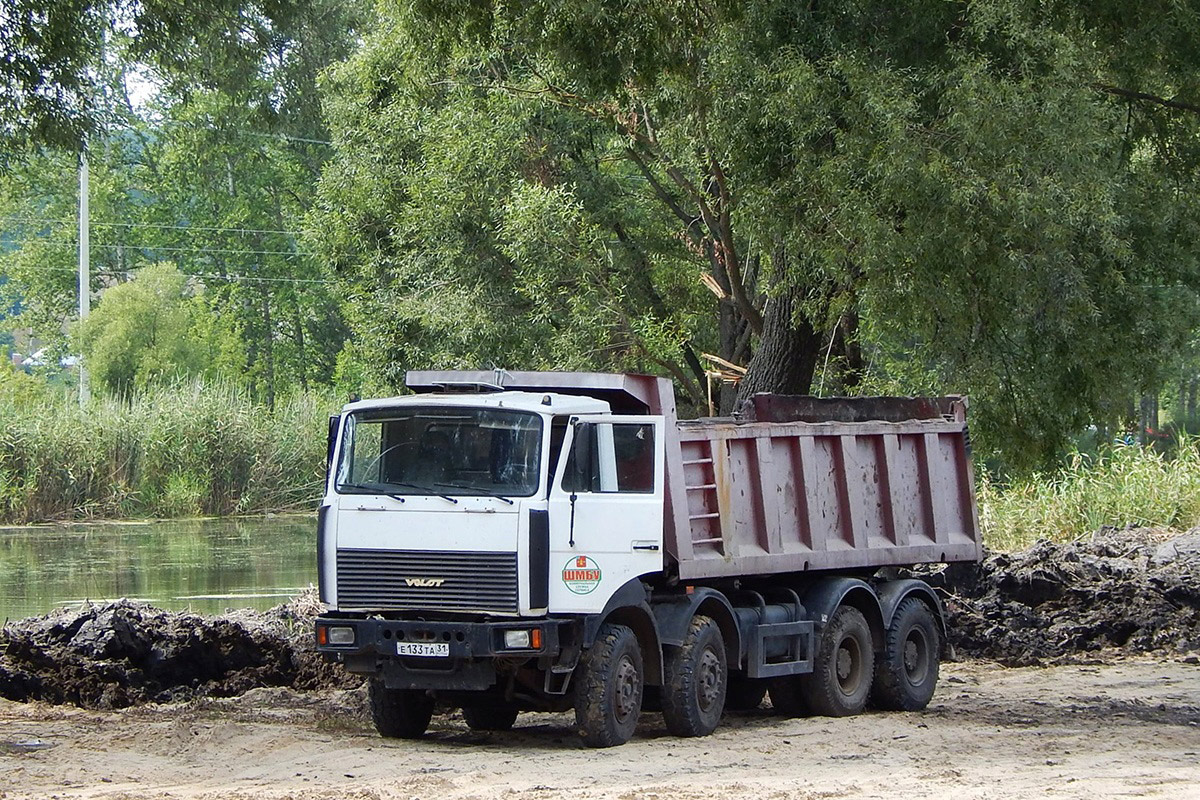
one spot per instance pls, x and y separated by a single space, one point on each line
322 635
535 638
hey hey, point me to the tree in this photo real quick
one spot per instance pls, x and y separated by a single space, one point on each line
961 185
151 329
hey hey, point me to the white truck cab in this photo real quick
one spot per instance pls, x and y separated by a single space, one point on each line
467 504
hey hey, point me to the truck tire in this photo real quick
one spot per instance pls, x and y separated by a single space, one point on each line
843 666
608 690
745 694
490 717
907 674
693 697
399 713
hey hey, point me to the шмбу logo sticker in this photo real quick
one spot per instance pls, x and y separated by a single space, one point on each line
581 575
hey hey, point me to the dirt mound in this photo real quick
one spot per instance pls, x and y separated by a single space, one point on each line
124 653
1136 590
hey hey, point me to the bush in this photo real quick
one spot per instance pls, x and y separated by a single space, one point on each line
193 448
1127 486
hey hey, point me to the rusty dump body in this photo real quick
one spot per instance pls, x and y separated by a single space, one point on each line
796 484
792 484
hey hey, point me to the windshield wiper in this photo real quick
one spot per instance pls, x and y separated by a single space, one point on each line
425 489
479 489
374 489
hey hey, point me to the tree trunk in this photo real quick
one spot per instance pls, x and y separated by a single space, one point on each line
787 353
855 368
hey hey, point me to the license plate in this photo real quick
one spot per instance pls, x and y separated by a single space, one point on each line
423 649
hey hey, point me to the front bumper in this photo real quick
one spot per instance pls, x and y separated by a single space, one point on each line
473 648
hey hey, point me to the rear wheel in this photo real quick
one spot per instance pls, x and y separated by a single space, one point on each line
399 713
608 692
907 674
693 697
490 717
843 666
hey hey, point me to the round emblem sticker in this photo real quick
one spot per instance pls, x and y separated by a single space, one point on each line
581 575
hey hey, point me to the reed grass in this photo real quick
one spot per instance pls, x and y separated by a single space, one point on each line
193 449
1128 486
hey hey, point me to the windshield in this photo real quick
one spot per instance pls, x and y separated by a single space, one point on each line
440 450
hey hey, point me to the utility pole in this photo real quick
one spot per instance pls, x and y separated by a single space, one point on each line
85 282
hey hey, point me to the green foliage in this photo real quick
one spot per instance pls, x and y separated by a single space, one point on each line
187 449
214 174
1128 486
56 58
152 330
46 94
958 195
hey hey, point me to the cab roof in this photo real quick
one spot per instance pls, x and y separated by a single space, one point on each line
537 402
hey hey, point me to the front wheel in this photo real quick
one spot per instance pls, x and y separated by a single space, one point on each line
399 713
693 698
608 690
843 666
907 674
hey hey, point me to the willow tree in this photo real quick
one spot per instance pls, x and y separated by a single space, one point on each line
993 197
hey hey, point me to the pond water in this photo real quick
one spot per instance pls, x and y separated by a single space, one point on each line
204 566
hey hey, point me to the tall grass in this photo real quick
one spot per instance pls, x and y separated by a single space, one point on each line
1128 486
188 450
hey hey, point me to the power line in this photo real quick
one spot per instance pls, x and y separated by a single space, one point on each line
179 123
160 226
222 250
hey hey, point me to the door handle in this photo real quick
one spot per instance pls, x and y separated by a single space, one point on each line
651 546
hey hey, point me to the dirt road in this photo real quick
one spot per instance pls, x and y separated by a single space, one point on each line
1125 729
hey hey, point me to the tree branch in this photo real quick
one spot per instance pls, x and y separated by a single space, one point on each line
1130 94
661 192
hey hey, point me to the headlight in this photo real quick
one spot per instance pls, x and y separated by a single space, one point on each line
516 640
524 639
341 635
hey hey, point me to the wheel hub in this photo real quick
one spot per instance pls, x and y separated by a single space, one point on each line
709 684
916 657
848 665
626 685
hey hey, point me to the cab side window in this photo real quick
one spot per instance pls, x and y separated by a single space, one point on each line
608 457
633 446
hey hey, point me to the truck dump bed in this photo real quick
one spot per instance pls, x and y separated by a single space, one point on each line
802 484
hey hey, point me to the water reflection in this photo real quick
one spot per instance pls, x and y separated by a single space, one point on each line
201 565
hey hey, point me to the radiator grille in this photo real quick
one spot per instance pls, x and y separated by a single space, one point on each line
470 581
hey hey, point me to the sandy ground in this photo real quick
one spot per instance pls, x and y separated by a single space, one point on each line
1129 729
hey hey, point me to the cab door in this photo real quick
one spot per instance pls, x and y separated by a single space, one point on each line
606 509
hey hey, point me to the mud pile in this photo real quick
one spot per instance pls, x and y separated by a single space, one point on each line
1137 591
124 653
1132 591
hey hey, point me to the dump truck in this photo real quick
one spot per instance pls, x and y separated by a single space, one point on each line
503 542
